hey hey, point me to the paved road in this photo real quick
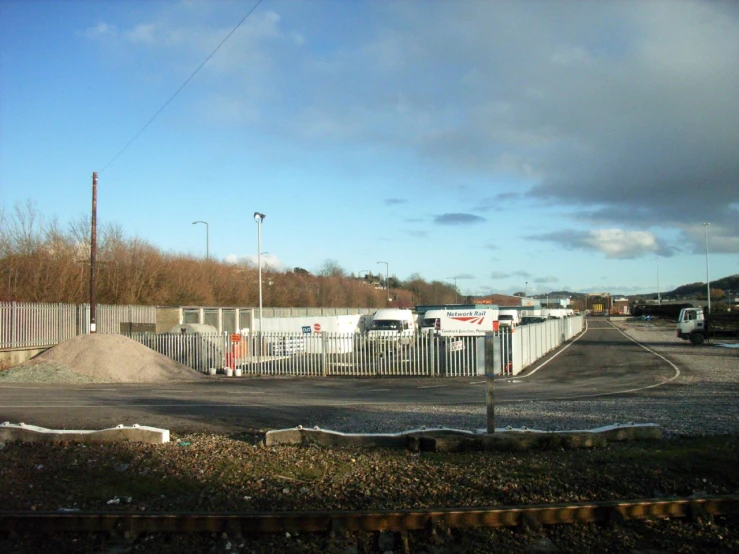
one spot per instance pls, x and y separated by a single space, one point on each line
602 361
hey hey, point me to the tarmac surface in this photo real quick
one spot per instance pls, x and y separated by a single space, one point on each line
601 362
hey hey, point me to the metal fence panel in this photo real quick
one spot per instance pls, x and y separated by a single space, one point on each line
280 353
28 325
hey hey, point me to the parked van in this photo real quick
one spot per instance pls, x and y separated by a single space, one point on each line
557 313
394 325
460 323
510 317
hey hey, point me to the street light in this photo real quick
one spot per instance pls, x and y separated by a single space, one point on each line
259 218
360 272
387 276
659 296
708 282
456 294
526 290
207 238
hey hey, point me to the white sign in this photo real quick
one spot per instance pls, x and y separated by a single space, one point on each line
456 346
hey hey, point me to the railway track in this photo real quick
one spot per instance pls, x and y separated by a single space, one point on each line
131 525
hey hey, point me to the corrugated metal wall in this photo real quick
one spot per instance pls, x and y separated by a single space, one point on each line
24 324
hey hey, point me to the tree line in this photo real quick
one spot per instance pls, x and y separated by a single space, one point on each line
41 262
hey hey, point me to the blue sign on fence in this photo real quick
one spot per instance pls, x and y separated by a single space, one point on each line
306 329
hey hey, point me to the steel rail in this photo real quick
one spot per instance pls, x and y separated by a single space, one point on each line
131 524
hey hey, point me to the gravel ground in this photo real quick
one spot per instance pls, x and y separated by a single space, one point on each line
236 473
701 401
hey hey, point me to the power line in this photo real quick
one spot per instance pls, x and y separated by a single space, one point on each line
182 86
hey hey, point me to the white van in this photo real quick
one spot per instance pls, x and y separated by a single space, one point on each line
557 313
393 324
460 323
509 317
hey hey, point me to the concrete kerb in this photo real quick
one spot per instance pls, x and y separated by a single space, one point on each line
121 433
441 439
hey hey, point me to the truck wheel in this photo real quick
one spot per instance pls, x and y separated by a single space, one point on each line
697 338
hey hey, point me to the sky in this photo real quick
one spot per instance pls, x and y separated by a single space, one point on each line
500 145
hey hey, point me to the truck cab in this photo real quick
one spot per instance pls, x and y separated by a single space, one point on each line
695 325
509 318
691 325
393 325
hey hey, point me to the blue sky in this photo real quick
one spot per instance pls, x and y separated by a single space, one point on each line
510 145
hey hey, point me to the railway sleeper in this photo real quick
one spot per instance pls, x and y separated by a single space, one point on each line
433 521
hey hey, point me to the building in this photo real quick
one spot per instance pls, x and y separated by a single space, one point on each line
621 306
599 303
502 300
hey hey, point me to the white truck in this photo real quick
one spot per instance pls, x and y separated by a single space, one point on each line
509 317
460 323
693 325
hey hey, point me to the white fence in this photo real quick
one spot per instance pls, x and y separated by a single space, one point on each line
323 354
363 354
27 325
532 342
24 324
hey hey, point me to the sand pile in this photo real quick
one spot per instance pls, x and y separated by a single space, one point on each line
104 359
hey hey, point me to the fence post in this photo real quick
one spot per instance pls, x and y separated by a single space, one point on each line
13 326
324 355
490 365
431 353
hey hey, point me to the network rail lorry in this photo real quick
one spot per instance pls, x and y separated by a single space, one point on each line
460 323
697 327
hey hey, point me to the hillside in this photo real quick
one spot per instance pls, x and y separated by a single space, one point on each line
730 283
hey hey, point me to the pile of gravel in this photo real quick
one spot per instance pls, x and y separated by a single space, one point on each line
99 358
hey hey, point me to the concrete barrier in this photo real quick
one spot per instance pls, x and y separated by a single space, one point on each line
441 439
121 433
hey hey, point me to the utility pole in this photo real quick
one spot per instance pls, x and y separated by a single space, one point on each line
708 280
456 291
387 279
93 252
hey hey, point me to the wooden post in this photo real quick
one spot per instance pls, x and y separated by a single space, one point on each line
93 252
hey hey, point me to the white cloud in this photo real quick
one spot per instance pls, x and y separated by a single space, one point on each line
269 261
613 243
616 243
142 33
101 30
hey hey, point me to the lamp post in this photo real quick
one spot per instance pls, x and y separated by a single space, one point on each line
360 272
387 276
207 238
659 295
708 282
259 218
456 294
526 290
